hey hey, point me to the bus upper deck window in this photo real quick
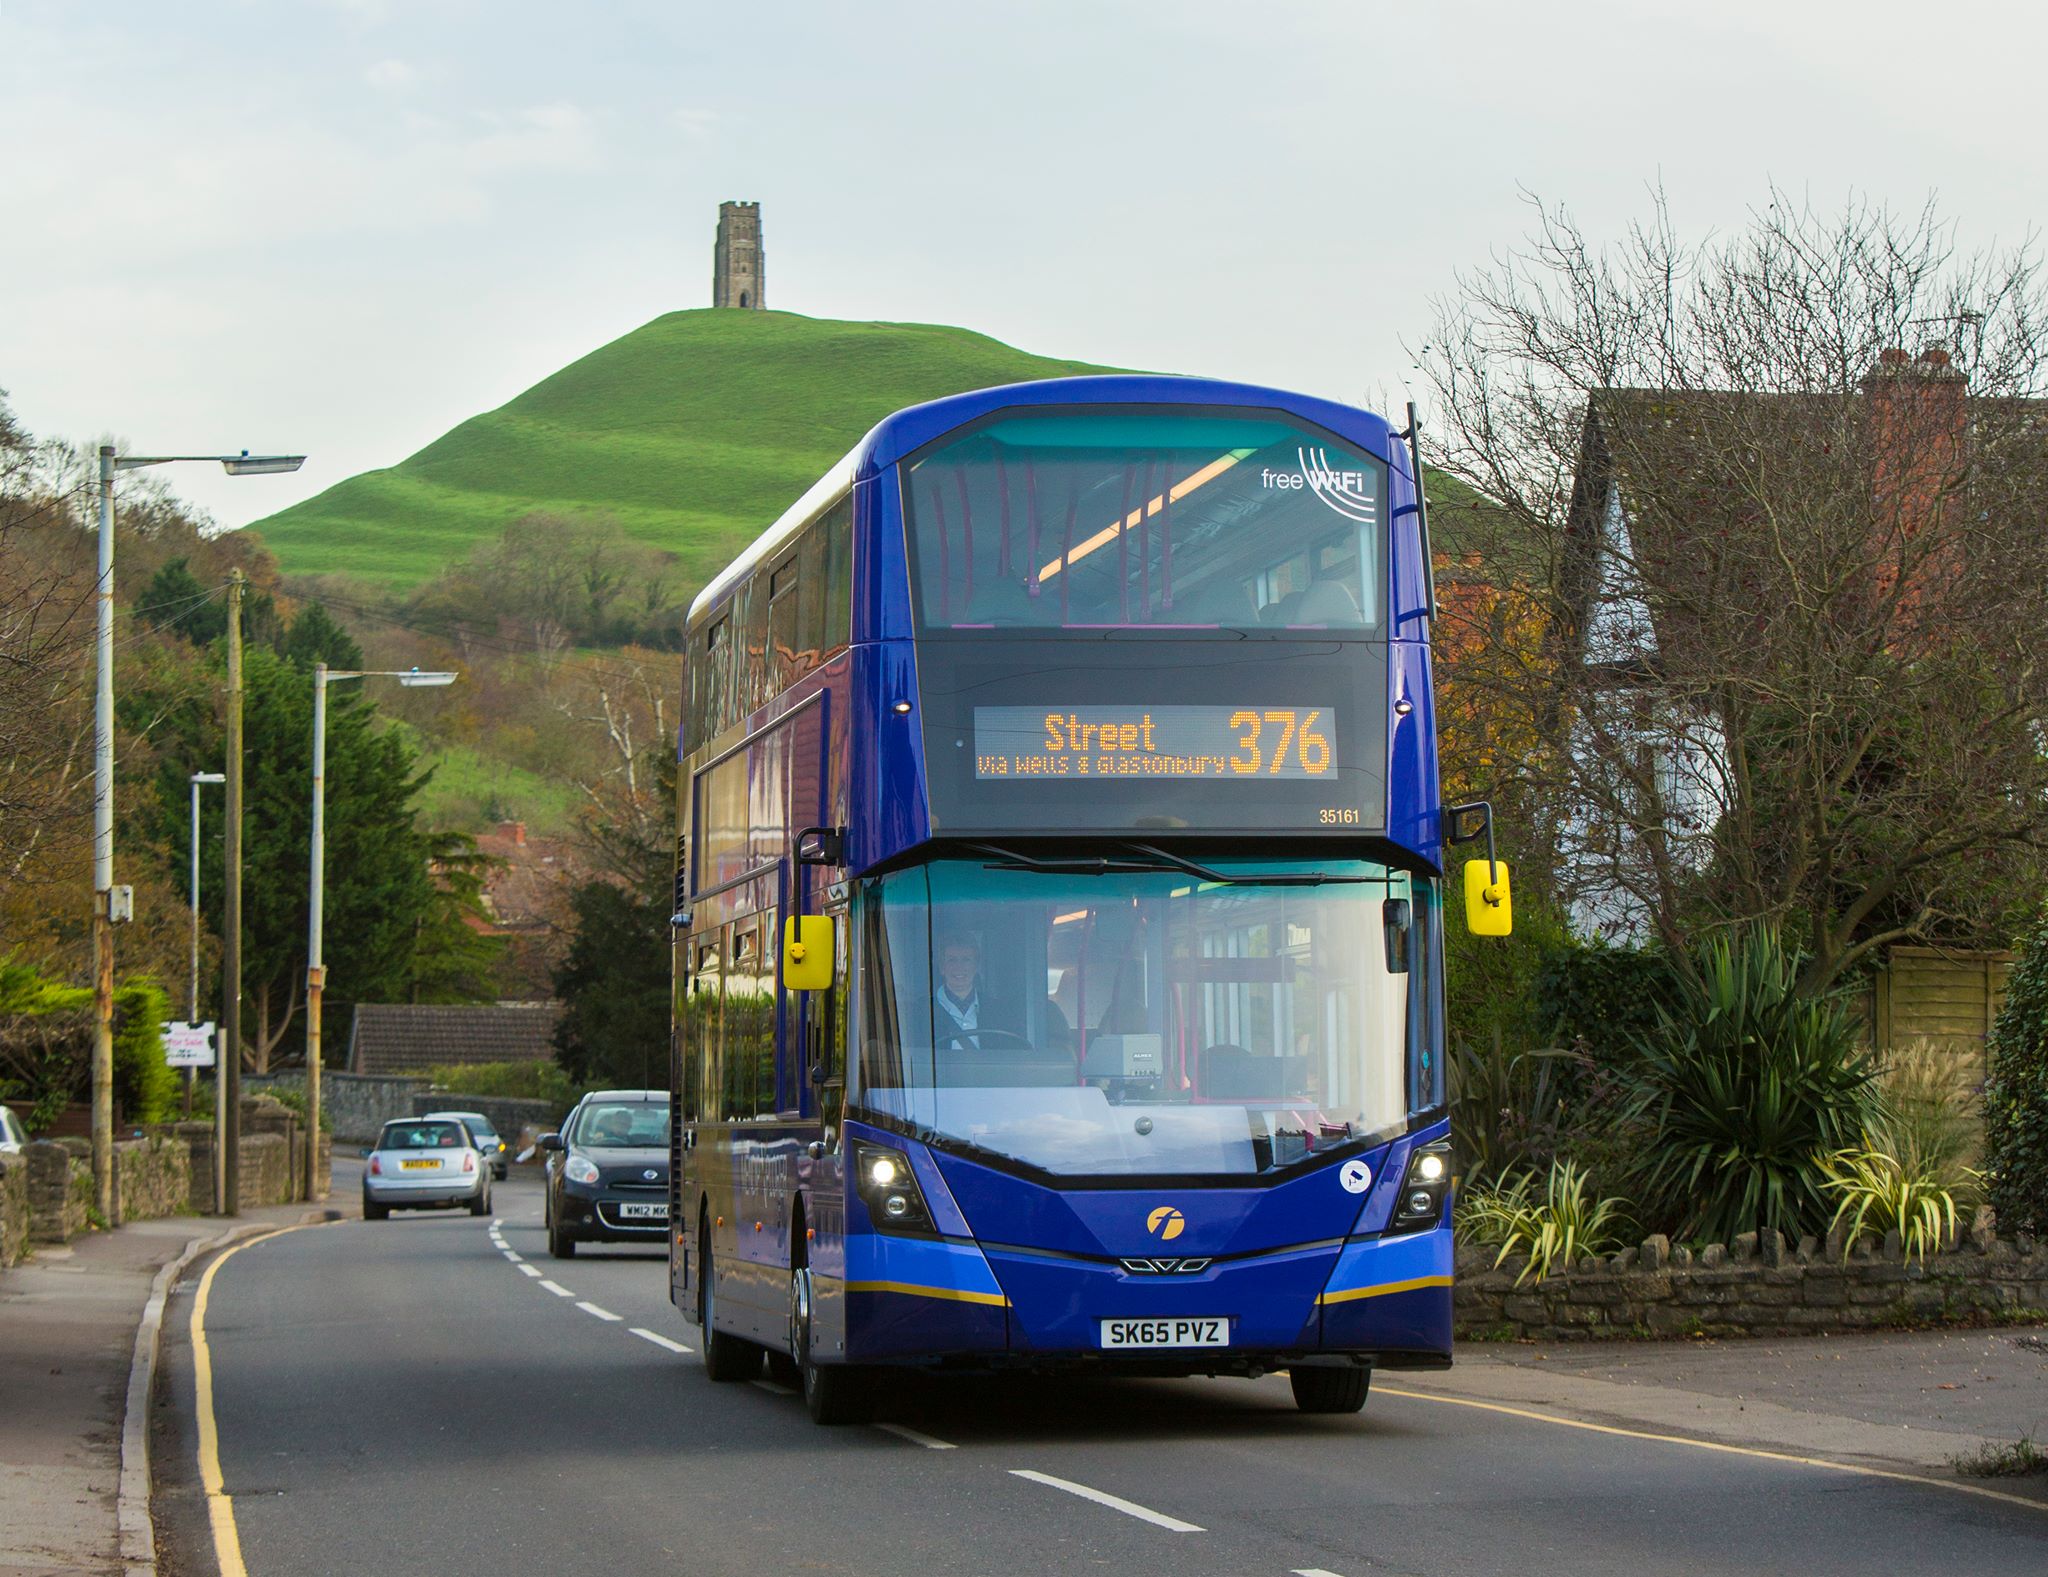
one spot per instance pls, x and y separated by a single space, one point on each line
1185 518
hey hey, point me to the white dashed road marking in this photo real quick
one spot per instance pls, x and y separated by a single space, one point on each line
916 1438
558 1289
603 1314
528 1270
1130 1508
660 1340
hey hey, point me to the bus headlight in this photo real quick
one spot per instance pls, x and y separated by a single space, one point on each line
1423 1189
889 1189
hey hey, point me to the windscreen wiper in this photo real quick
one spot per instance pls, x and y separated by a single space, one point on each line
1151 858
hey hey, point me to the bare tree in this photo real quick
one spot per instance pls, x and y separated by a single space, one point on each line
1778 501
45 607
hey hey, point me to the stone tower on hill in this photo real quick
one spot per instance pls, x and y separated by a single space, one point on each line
738 268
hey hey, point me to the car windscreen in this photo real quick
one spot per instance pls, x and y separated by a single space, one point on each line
421 1136
623 1125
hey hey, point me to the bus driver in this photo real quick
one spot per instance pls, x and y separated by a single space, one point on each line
956 1004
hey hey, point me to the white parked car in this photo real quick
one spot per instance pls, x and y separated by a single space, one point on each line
12 1135
425 1163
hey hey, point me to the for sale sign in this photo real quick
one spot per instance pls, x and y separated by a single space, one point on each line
188 1045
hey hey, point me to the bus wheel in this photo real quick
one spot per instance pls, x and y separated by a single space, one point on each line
834 1393
726 1358
1329 1390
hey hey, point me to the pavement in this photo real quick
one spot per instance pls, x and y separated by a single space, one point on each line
1913 1400
68 1324
436 1381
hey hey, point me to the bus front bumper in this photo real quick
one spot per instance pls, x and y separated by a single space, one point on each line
952 1304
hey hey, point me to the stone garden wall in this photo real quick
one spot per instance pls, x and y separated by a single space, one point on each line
355 1105
1751 1288
152 1178
59 1191
13 1210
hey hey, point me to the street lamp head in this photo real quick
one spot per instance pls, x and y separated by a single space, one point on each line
417 679
247 464
209 777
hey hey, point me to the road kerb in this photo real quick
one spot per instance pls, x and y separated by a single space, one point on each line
132 1498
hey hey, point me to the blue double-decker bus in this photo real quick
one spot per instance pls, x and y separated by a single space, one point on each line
1058 947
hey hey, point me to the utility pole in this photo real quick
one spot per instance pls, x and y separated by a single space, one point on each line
228 1085
103 860
316 969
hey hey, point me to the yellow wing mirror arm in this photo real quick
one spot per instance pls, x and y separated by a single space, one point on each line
1489 898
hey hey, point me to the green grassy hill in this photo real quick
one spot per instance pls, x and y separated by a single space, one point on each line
694 431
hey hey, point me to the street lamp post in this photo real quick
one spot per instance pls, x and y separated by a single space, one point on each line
316 969
192 998
107 908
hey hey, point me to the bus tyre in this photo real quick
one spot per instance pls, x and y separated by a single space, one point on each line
726 1358
1329 1390
560 1244
833 1393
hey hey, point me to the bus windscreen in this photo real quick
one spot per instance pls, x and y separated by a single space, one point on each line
1076 519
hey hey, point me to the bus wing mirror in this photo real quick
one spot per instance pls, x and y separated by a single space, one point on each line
821 846
807 952
1489 904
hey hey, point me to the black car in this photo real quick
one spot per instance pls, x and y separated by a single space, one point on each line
608 1171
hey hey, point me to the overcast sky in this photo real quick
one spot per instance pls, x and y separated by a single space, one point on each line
345 225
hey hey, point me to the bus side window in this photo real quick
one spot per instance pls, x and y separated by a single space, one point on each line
707 1029
810 591
838 611
710 679
750 1027
788 660
751 619
1426 998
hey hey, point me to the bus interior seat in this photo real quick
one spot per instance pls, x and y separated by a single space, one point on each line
1220 601
1280 611
1327 601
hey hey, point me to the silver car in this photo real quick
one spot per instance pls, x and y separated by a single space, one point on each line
488 1140
425 1163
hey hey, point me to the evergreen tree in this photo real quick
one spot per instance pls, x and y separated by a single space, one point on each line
316 638
614 982
2016 1095
175 599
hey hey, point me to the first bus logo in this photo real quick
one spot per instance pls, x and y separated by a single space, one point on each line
1166 1223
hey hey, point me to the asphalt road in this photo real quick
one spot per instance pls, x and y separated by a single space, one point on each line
408 1395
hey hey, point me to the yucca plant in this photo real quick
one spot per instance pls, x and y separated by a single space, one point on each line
1741 1090
1876 1193
1553 1229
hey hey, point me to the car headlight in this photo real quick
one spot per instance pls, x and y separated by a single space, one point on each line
580 1169
1420 1204
888 1187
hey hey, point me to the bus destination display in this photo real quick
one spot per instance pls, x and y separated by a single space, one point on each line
1225 744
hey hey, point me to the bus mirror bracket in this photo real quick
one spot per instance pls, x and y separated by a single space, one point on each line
1489 906
821 846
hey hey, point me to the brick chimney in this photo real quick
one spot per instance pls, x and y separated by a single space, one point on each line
1918 414
515 830
1919 419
